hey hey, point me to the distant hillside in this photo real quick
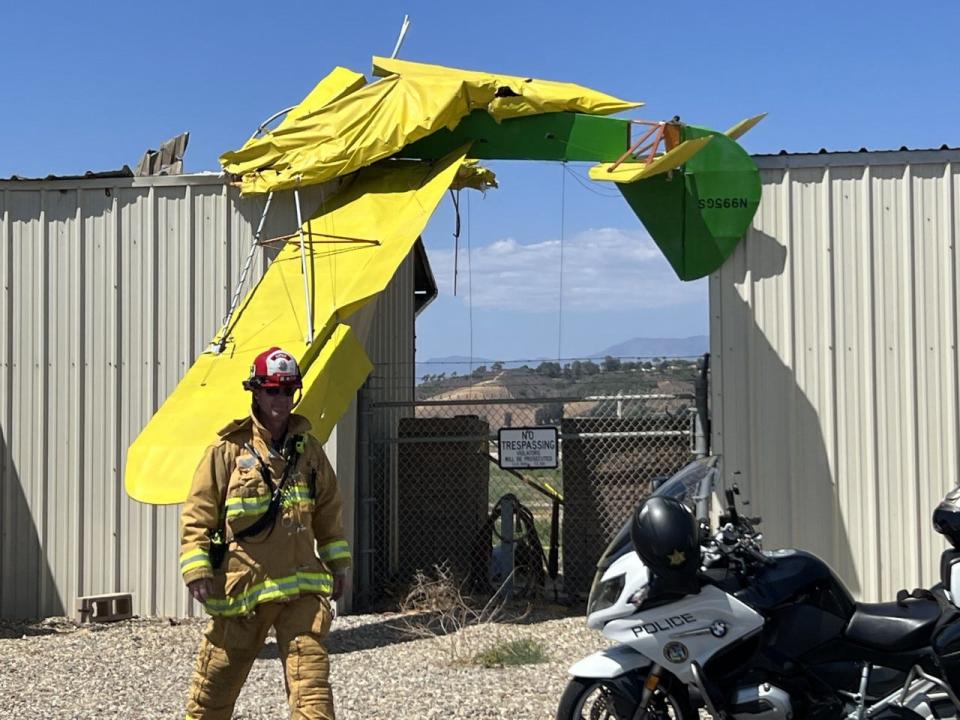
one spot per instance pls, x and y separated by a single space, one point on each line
575 379
459 364
658 347
462 365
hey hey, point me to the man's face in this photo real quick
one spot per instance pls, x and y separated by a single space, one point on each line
274 404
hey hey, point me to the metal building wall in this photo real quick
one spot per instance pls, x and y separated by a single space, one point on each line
110 288
834 345
392 380
386 328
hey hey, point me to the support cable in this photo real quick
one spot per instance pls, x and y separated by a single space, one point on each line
403 33
470 282
582 183
221 345
303 268
563 208
455 196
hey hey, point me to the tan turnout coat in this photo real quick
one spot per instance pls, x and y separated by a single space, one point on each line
305 545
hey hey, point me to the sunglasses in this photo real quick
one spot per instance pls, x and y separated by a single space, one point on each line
274 391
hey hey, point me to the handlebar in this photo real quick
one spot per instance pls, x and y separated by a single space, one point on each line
757 555
737 541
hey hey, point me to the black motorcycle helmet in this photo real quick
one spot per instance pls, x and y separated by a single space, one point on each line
946 518
666 536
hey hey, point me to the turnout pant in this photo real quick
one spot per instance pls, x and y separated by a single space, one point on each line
230 645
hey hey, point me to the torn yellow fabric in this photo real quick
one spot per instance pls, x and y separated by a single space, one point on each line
356 242
475 176
629 172
374 122
509 96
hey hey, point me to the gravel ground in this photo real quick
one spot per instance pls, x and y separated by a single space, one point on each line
141 668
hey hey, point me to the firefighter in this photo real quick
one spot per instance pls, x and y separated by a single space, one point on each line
262 546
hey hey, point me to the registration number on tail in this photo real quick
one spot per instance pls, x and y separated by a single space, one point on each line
722 203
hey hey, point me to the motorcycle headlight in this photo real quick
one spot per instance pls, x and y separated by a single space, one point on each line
605 593
640 597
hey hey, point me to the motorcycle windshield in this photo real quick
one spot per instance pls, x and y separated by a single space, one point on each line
689 485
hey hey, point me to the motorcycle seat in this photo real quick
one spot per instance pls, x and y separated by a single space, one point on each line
892 626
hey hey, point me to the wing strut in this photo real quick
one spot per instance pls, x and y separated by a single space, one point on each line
217 346
303 269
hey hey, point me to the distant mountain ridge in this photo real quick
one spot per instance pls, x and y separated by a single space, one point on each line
687 347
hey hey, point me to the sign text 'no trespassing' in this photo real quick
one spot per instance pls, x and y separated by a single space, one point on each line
528 447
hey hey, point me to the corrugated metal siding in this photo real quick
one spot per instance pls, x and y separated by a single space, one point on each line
392 350
834 343
386 328
110 289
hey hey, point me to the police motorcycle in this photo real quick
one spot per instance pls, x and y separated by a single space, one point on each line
715 622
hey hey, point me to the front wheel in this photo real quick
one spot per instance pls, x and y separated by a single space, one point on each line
596 699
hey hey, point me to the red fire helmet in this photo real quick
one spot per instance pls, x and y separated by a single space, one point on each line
273 368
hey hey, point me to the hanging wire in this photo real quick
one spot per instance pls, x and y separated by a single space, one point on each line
573 145
563 212
470 283
455 196
585 186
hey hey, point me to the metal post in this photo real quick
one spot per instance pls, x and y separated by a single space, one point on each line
303 268
702 416
507 508
553 561
365 502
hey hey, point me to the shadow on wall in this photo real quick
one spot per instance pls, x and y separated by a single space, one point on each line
26 583
773 440
766 258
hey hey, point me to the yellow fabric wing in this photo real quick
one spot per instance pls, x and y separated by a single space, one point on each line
332 381
358 241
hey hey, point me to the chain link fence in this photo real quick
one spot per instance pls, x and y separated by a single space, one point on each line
437 492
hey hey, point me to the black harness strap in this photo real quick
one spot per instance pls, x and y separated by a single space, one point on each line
293 448
269 517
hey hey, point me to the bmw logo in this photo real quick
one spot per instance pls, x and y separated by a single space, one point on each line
675 652
718 629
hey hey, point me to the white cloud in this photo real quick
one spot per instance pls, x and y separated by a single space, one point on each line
603 269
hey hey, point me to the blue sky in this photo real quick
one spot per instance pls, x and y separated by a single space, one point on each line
91 86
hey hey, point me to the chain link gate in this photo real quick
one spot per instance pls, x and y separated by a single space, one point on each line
433 480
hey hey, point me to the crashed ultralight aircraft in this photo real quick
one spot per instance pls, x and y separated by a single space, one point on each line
393 147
